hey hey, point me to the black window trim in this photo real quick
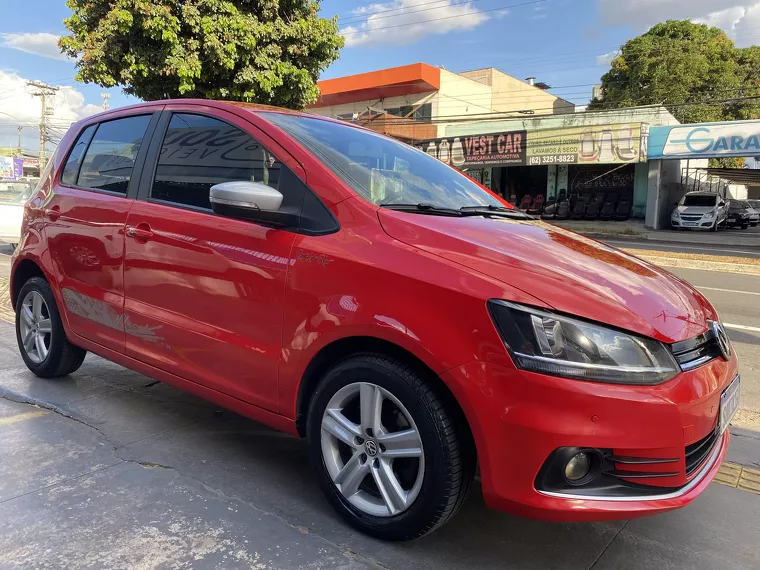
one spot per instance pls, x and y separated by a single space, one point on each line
153 154
84 153
136 168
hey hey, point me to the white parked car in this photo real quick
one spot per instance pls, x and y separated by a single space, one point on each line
754 212
699 211
11 215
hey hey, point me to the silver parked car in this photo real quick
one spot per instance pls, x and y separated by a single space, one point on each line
753 207
699 211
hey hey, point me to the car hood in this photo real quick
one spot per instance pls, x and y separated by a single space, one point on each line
695 209
564 270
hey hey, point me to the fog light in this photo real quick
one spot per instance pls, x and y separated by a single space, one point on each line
578 467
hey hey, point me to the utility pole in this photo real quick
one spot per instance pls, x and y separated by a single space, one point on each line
19 150
106 97
45 93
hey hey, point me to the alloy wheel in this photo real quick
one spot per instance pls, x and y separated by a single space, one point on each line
35 326
372 449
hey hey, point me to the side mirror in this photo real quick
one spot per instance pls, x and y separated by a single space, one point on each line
722 204
252 201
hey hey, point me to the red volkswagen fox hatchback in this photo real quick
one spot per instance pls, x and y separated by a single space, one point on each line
342 286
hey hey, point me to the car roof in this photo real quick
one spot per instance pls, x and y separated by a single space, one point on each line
213 103
701 193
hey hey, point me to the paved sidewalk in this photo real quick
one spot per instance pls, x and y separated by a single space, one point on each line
634 229
126 473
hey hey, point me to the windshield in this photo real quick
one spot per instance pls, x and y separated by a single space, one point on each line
735 206
701 201
755 204
381 169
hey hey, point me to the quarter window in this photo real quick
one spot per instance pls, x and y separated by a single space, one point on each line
110 158
199 152
71 170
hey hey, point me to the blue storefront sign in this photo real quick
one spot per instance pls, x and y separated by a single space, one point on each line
705 140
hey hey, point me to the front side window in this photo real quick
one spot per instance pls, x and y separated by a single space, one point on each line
71 170
381 169
199 152
110 158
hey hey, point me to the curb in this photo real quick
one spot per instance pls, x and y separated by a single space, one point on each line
739 477
663 239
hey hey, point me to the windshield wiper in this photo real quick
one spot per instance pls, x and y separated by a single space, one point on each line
424 208
466 211
490 209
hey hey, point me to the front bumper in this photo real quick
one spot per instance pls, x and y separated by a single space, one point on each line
520 418
697 225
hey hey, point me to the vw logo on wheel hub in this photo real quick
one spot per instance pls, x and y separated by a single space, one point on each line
370 447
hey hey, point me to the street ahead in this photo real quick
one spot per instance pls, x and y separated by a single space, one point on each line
112 470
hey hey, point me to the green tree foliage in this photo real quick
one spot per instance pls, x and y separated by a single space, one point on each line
727 162
677 63
264 51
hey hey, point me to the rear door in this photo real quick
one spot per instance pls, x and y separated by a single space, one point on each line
204 293
86 214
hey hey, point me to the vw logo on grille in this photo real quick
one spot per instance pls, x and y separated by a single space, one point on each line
722 338
371 447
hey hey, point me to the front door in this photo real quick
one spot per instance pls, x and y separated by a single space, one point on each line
204 293
86 214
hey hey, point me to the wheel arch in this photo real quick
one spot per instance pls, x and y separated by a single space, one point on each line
24 270
347 346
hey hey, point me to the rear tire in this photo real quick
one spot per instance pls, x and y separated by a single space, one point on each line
39 331
430 478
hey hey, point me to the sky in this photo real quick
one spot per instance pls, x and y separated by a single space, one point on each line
565 43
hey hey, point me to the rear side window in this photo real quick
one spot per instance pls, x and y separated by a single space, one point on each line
199 151
110 158
71 170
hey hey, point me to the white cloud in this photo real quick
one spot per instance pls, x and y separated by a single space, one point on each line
19 107
605 59
409 22
645 13
42 44
740 19
742 23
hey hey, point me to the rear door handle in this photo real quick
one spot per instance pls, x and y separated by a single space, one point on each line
53 213
140 233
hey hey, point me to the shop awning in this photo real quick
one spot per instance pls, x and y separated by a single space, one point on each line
746 176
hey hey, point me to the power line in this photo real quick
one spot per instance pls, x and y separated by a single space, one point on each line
640 109
532 2
405 10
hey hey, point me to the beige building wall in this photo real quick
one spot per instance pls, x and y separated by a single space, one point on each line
458 97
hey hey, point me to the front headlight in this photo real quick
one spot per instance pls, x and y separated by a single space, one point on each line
675 214
709 215
544 342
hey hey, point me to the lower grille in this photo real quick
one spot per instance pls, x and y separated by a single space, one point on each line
698 452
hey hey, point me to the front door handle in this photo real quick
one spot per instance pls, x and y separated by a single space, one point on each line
140 233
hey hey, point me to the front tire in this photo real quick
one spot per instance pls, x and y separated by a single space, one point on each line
745 226
39 331
391 452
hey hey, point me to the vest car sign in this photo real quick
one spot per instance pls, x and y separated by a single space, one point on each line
705 140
